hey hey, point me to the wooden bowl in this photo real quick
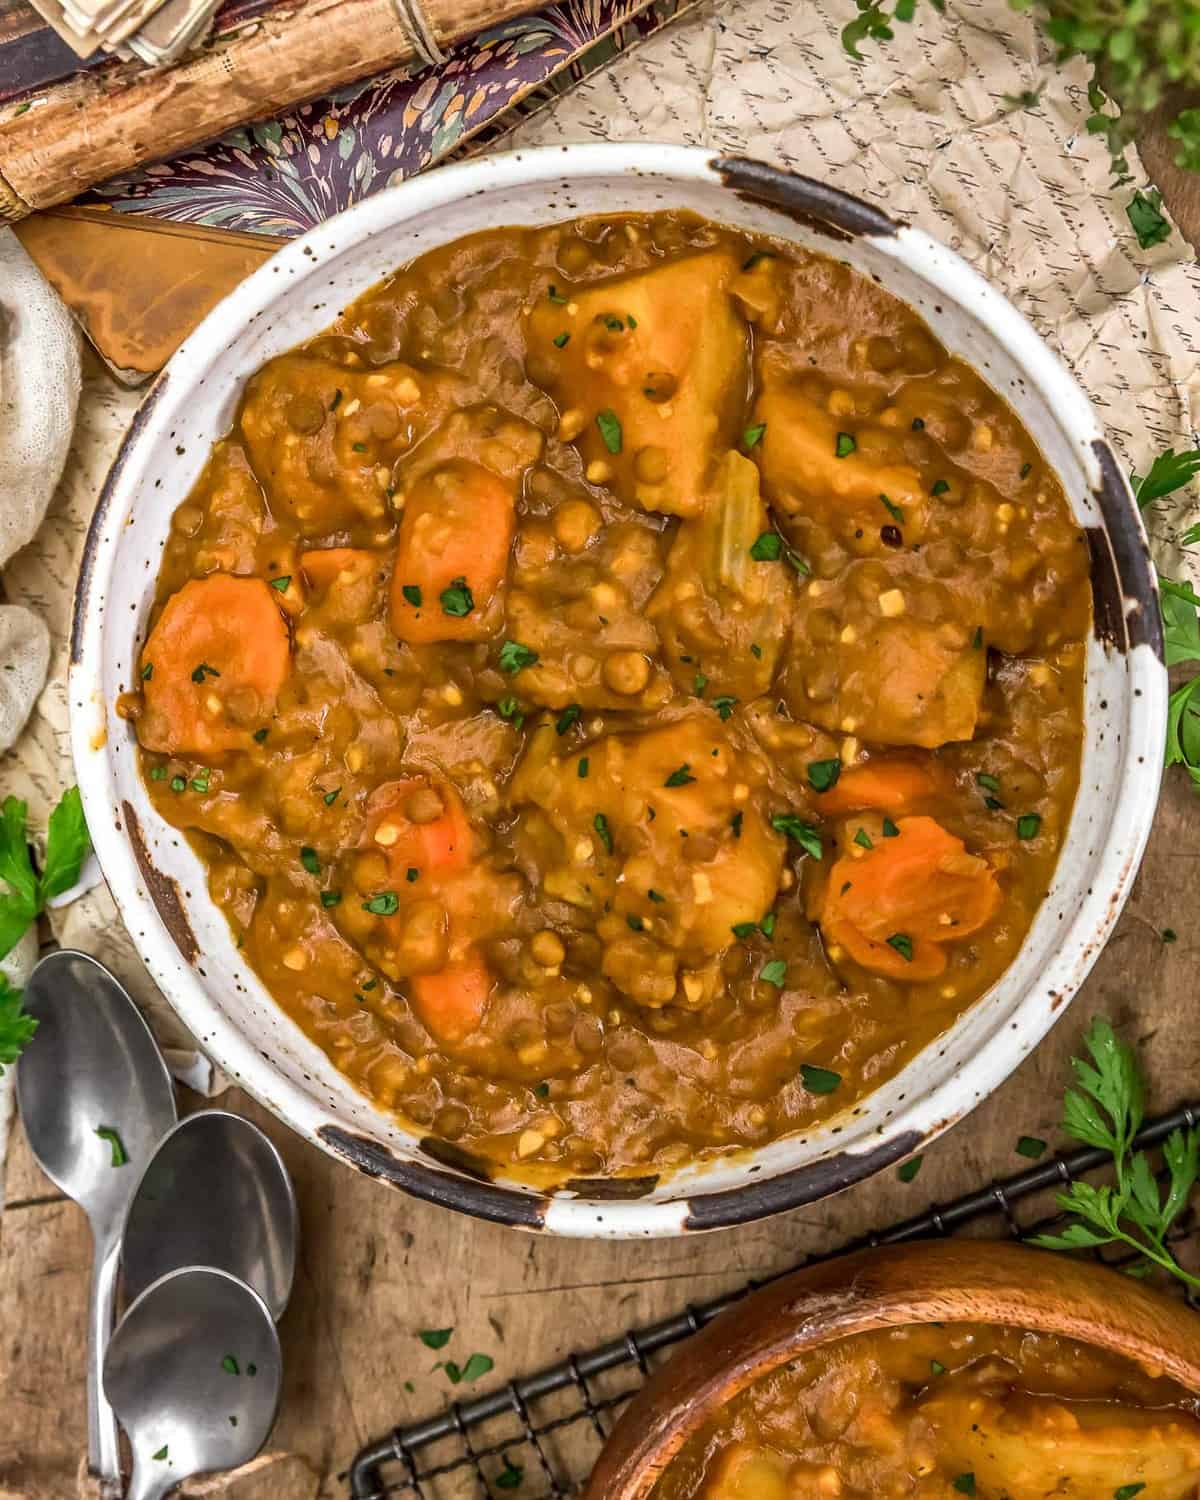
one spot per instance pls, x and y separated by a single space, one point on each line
966 1281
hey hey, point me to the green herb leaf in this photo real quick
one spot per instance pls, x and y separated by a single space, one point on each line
823 774
1169 472
561 340
568 717
160 1455
510 1476
260 735
819 1080
476 1365
200 782
148 671
17 1026
581 769
282 583
1146 219
1031 1146
435 1338
331 898
457 600
753 435
331 797
845 445
902 944
965 1484
385 904
863 839
230 1365
909 1169
603 832
939 487
893 510
1028 825
610 429
555 295
984 779
634 923
119 1156
67 846
767 926
890 831
203 670
767 547
515 658
735 824
308 858
412 593
656 895
800 832
744 930
936 1367
681 776
774 972
724 705
1128 1491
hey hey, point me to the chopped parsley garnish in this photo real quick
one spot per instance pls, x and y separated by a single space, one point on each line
337 400
411 874
823 774
699 683
940 486
570 715
890 831
767 925
331 797
613 323
631 320
819 1080
804 834
542 1090
1169 935
902 944
603 831
1128 1491
635 923
1028 825
385 904
681 776
509 708
457 600
845 445
724 705
987 781
965 1484
582 768
260 735
282 583
555 295
1026 470
656 895
412 592
1031 1146
893 510
936 1367
358 447
202 670
753 435
476 1365
148 671
863 839
435 1338
736 824
230 1365
909 1169
331 898
119 1157
744 930
774 972
308 858
977 641
160 1456
768 547
756 651
610 429
515 658
561 340
510 1476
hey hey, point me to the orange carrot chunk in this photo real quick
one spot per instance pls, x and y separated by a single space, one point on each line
882 785
417 824
213 666
451 1003
452 555
895 907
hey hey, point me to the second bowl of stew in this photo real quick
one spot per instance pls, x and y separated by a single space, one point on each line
629 688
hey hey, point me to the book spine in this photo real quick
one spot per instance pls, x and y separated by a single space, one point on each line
98 125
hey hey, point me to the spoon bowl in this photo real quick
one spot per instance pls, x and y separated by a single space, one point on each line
95 1100
215 1193
193 1372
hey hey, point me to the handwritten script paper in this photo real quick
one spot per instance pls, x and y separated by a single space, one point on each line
922 128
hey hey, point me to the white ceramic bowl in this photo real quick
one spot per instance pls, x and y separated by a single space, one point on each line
159 883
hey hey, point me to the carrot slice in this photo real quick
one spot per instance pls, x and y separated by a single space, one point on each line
452 1002
452 555
892 786
324 565
213 666
437 844
895 907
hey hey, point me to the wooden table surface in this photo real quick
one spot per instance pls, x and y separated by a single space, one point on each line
375 1266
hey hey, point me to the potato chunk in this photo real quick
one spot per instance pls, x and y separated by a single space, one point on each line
745 1471
649 376
322 439
811 471
1031 1448
675 812
722 613
894 682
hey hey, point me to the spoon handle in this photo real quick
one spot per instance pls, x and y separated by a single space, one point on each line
148 1484
104 1454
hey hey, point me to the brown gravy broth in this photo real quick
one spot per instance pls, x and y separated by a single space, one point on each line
939 1412
624 681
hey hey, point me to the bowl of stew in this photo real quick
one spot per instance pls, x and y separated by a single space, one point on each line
935 1370
617 690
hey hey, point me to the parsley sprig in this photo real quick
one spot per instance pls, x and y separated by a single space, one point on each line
1105 1110
67 846
16 1026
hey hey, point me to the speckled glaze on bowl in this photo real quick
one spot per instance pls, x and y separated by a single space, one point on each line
159 884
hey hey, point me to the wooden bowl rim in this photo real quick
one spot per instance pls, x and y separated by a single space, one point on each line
933 1282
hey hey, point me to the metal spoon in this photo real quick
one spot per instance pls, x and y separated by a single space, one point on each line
216 1193
193 1372
93 1066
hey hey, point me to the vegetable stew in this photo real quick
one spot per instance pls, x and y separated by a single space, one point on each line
624 681
941 1411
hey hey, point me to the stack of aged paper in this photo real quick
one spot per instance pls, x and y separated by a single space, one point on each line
152 31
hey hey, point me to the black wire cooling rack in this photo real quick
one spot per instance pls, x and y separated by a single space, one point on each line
504 1442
